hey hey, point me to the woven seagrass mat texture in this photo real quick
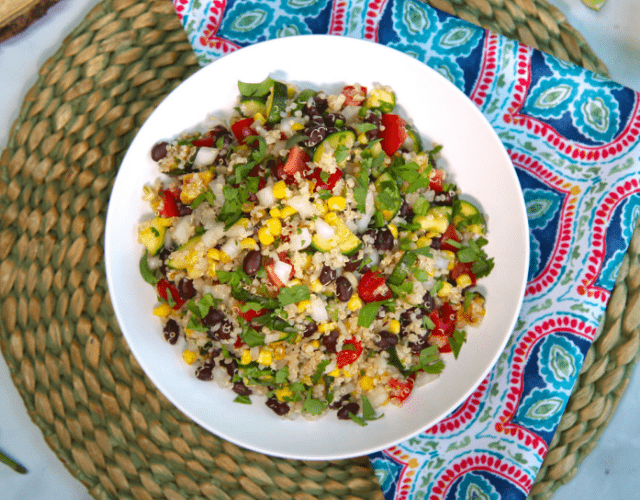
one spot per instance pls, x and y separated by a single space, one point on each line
80 383
18 15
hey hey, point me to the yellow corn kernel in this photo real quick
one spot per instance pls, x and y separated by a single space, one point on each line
287 212
279 351
265 357
366 383
321 207
394 326
211 271
283 393
475 228
335 373
326 327
274 225
297 126
189 357
303 305
354 303
316 286
362 139
280 190
245 359
346 373
213 253
294 282
188 332
315 343
452 258
445 290
332 218
423 241
244 222
248 244
224 257
265 236
463 281
337 203
163 310
394 230
274 212
308 262
259 117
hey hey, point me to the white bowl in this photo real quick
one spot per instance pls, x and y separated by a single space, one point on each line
473 156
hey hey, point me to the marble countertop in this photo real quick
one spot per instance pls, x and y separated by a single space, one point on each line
610 472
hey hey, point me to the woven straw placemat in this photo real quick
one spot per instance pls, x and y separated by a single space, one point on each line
80 383
18 15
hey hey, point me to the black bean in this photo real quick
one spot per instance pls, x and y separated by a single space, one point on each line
213 317
252 262
240 388
411 315
231 365
406 212
340 402
205 372
427 302
330 119
327 275
309 330
384 240
376 121
353 263
422 343
221 330
344 289
321 103
445 198
171 331
159 151
183 209
343 413
387 339
279 407
330 340
436 243
316 136
186 289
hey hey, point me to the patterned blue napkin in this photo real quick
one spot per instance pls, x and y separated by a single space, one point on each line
573 138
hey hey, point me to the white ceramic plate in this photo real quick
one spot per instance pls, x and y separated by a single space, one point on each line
473 155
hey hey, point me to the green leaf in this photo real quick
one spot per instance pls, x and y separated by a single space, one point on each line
456 341
421 206
368 313
282 375
147 274
365 127
261 89
293 294
207 196
394 360
368 413
251 337
319 371
295 139
245 400
357 419
313 406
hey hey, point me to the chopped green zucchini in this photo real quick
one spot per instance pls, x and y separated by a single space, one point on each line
152 237
344 138
276 102
467 216
249 106
413 141
381 98
399 273
181 261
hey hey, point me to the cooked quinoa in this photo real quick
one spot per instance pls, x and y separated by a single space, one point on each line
311 252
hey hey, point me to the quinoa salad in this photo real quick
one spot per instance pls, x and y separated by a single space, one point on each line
309 251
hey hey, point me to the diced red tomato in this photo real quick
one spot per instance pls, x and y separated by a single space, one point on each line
435 180
165 287
296 161
250 314
449 234
354 96
373 287
461 268
394 133
238 343
242 129
203 142
321 185
170 203
401 390
348 356
444 320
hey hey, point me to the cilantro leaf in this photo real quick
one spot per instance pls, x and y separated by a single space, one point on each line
245 400
456 341
357 419
368 313
293 294
282 375
251 337
319 371
368 413
147 274
313 406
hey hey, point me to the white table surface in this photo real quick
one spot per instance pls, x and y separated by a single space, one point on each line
610 472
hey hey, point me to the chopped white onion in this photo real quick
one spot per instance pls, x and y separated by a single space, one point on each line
374 258
265 197
300 240
302 205
211 237
237 231
282 270
324 230
318 311
182 231
221 292
231 248
205 156
370 209
377 396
